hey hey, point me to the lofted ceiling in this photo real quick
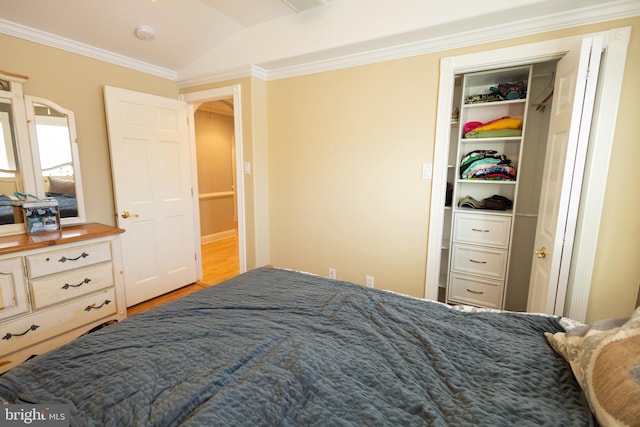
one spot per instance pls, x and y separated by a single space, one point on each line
192 39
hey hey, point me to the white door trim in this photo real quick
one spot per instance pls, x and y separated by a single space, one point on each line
194 99
601 141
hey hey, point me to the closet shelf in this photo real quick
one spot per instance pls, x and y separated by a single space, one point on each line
495 103
485 140
486 181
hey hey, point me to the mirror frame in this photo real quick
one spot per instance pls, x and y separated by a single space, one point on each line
35 154
27 148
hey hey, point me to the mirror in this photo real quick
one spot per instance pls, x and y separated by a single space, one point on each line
55 155
10 181
38 155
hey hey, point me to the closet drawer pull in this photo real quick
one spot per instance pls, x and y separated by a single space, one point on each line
479 230
96 307
65 259
475 292
477 262
67 286
10 335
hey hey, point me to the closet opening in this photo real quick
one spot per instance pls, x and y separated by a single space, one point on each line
486 246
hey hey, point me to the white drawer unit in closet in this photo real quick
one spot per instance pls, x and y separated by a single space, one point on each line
486 230
475 291
56 287
486 262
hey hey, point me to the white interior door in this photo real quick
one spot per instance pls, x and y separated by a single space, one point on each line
564 162
149 146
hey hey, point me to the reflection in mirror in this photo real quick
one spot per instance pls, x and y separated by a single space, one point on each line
55 143
10 181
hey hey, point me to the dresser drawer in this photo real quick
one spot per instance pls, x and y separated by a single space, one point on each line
475 291
28 330
487 230
53 289
67 259
478 260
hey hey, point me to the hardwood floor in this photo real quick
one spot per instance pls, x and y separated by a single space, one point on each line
219 263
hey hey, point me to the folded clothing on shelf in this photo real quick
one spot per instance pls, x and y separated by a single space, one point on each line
510 90
506 91
470 202
487 165
495 202
498 128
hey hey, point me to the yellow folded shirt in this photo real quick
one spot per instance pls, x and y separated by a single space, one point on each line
508 123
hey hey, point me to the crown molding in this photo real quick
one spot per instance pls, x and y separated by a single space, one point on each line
426 41
334 60
31 34
229 74
562 20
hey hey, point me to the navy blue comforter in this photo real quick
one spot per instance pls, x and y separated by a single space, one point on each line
274 347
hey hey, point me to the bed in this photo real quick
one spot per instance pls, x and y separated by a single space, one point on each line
279 347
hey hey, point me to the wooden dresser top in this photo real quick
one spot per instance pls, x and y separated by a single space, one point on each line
22 242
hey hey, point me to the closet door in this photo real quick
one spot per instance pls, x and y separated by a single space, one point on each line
571 113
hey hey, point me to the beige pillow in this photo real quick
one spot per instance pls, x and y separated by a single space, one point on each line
605 359
62 185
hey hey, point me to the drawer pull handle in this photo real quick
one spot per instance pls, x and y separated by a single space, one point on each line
94 307
477 262
475 292
65 259
10 335
479 230
85 281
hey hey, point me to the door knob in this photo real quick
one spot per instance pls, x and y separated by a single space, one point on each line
540 253
127 214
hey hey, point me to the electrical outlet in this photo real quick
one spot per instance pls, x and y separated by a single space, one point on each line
369 281
332 273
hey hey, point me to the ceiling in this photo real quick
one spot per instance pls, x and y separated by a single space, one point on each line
194 38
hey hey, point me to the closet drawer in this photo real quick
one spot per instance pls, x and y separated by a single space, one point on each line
487 230
53 289
67 259
475 291
486 262
29 330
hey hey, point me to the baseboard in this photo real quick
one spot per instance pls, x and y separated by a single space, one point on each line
210 238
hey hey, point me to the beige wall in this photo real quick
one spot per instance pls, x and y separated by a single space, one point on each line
214 148
336 160
345 152
76 82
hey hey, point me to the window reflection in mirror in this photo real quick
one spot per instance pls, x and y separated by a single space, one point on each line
54 143
10 181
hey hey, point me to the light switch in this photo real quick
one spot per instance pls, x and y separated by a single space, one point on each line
247 168
427 170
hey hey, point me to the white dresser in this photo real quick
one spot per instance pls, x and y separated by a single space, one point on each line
57 286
